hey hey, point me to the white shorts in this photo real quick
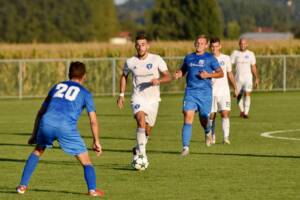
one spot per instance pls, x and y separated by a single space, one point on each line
149 108
220 103
245 85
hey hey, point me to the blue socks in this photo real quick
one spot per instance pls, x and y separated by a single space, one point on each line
29 167
207 128
186 134
90 176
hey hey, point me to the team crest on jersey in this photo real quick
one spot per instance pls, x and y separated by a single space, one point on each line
246 56
136 106
222 63
134 68
149 66
201 63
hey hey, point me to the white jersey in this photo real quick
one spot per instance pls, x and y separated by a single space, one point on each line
243 61
143 71
220 85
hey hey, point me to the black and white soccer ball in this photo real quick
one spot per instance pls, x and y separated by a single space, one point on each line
140 162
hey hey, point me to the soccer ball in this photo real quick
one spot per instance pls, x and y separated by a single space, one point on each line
140 162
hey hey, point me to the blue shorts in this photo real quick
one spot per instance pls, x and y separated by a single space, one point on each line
69 140
200 105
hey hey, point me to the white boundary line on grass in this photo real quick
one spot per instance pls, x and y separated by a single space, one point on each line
270 134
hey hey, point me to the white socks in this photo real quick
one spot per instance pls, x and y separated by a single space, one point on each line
247 102
241 104
244 104
141 140
225 127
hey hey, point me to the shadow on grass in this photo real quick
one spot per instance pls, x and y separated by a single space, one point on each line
83 136
208 153
10 190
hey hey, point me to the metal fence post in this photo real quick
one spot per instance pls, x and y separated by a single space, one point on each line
284 74
114 64
20 64
67 69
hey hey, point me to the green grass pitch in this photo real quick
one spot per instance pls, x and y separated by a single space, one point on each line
252 167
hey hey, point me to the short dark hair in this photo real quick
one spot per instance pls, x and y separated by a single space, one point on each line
76 70
141 36
215 40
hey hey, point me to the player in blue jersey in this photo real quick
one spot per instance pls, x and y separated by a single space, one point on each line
199 67
57 120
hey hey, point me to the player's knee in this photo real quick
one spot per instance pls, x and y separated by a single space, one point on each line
140 118
225 114
188 117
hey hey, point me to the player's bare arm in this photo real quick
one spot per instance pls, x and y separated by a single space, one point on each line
233 83
41 112
178 74
217 74
254 72
121 99
95 131
164 79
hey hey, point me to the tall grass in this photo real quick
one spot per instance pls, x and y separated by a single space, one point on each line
164 48
37 77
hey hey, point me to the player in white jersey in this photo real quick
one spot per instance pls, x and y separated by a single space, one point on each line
145 69
245 64
221 92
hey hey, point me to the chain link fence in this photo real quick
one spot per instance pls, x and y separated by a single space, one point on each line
33 77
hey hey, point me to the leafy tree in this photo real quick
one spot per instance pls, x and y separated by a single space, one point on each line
57 20
180 19
233 30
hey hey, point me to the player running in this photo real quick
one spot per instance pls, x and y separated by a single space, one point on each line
199 67
145 69
221 93
57 120
245 64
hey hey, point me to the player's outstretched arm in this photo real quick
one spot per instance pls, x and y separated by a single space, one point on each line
233 83
95 131
166 77
254 72
41 112
121 99
216 74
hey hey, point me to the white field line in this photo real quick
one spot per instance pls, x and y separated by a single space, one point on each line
270 134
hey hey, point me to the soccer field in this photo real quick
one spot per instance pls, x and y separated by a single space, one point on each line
252 167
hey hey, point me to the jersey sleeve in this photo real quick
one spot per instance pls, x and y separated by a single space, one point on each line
49 96
89 103
253 59
126 69
162 65
214 63
184 66
233 57
228 65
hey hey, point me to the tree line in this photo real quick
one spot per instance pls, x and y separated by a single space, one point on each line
23 21
57 20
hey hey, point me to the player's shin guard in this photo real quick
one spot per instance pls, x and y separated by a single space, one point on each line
207 128
29 167
186 134
213 126
225 127
241 104
141 140
247 104
90 177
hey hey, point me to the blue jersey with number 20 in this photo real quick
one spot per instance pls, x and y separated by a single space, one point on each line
64 104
